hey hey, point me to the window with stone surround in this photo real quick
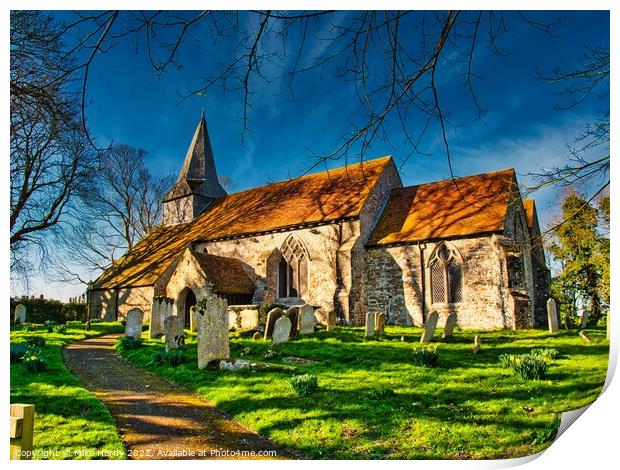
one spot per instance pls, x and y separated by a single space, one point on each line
446 276
292 269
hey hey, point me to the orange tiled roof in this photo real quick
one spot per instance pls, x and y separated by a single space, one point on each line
316 198
530 211
450 208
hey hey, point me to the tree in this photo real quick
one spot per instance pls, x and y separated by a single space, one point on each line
577 248
49 151
120 203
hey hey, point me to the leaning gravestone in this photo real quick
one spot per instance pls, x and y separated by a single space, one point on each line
133 326
212 325
552 315
293 315
429 328
173 330
20 314
307 320
380 323
162 309
281 330
370 325
477 344
272 317
331 320
450 324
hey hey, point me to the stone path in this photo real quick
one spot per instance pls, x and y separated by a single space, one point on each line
156 418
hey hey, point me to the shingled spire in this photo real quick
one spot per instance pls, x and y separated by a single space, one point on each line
197 185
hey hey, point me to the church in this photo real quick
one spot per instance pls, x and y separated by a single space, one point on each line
351 240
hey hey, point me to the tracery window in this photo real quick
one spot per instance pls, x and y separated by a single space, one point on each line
446 275
292 269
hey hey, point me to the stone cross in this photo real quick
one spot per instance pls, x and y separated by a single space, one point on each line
477 344
552 315
380 323
331 320
450 324
281 330
161 309
173 330
212 326
133 326
307 320
293 315
429 328
272 316
20 314
370 325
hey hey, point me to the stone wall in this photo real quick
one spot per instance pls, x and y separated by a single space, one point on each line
394 284
104 302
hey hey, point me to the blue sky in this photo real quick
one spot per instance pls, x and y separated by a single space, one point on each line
129 103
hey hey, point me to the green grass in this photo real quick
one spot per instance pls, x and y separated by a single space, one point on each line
70 422
374 403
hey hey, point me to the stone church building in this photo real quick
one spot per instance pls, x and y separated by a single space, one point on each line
352 240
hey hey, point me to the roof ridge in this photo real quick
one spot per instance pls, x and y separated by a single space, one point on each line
458 178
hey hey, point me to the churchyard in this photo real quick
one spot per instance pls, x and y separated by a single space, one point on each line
374 401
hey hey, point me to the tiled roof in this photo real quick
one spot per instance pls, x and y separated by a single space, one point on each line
450 208
226 274
530 212
316 198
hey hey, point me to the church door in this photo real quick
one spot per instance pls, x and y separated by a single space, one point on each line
190 301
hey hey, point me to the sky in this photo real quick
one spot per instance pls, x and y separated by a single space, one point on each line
129 103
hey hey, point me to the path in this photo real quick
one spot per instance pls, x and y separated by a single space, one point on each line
156 418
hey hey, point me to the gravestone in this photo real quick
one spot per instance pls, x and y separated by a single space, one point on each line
272 317
552 316
133 326
584 318
331 320
281 330
450 324
370 325
162 309
429 328
293 315
380 323
212 325
477 343
307 320
20 314
173 331
256 336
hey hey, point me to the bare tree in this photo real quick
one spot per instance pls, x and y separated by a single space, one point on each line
49 151
120 204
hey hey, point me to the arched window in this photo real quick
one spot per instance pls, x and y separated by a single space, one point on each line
292 269
446 276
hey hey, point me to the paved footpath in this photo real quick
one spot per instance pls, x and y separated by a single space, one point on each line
156 418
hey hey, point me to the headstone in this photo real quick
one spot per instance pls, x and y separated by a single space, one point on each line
281 330
307 320
552 316
272 316
173 330
331 320
293 315
162 309
477 344
133 326
585 336
212 326
370 325
584 318
257 336
20 314
450 324
380 323
429 328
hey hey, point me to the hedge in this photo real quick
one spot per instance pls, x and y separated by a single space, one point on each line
41 310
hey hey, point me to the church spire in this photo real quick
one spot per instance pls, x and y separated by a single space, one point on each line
197 184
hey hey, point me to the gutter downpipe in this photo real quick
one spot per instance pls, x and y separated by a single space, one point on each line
421 247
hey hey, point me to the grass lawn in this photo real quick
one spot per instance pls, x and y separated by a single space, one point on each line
70 422
466 407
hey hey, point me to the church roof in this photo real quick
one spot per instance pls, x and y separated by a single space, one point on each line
317 198
451 208
226 274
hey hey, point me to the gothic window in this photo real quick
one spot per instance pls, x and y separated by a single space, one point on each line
292 269
446 275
